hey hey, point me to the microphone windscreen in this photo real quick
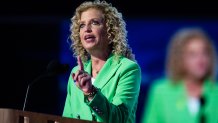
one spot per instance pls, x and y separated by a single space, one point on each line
55 67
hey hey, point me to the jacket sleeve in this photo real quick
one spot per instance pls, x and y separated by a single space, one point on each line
125 99
67 107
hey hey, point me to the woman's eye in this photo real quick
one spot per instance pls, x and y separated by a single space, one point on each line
95 23
81 25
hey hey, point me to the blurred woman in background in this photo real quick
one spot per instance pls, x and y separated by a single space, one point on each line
190 93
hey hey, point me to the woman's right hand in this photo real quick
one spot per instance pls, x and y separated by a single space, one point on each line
82 79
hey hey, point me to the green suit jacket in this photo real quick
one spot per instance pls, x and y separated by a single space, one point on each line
168 103
116 102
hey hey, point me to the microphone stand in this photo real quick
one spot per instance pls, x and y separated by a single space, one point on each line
53 68
29 85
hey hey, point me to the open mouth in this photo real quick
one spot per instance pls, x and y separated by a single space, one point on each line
89 38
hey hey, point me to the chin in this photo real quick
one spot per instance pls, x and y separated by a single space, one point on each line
200 76
90 47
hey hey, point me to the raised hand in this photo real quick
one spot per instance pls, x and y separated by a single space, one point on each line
82 79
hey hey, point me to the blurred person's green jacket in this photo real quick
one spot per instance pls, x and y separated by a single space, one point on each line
168 103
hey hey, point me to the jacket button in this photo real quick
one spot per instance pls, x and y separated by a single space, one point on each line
78 116
94 107
93 116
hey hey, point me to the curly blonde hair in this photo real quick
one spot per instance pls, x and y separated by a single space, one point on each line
175 51
115 25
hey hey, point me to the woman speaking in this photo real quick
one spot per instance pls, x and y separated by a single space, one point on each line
105 85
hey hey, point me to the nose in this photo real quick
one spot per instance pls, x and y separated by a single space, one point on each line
88 28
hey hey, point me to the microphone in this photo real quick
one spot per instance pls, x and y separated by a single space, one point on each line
53 68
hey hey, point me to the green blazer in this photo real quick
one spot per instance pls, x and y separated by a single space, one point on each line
168 103
116 102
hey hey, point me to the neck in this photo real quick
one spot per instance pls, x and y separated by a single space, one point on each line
98 60
99 56
194 87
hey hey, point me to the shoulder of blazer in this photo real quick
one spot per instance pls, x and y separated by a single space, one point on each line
74 69
162 87
129 64
126 64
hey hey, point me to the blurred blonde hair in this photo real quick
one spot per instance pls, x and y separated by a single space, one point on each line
175 51
115 25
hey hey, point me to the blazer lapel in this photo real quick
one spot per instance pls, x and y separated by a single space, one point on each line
107 71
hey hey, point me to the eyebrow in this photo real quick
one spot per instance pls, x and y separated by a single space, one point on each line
91 20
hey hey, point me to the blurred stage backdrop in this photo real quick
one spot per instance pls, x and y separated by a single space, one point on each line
34 33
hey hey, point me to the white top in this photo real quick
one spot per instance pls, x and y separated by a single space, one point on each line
193 105
93 80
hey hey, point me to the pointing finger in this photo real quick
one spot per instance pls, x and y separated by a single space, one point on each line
80 63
